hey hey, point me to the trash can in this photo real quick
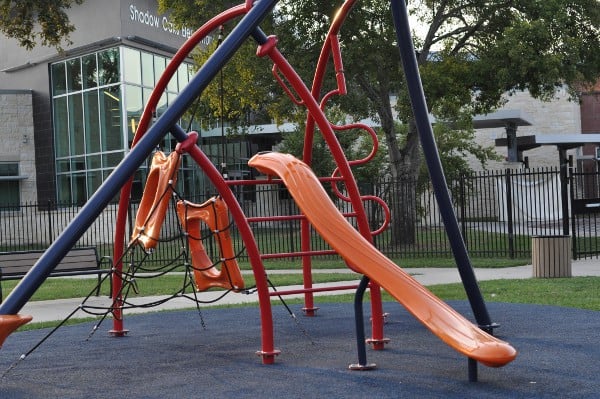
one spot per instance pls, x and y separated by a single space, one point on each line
551 256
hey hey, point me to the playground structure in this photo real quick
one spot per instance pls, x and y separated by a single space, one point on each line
354 245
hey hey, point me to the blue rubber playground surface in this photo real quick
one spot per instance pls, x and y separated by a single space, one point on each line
171 355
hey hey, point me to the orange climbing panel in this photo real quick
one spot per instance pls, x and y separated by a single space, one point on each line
155 199
9 323
214 213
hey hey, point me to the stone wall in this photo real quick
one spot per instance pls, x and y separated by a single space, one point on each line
17 138
559 116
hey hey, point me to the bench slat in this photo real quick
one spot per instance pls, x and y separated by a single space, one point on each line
77 259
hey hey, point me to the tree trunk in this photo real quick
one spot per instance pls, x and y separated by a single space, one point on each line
404 168
404 165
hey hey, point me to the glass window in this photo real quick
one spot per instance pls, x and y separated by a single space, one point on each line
183 76
59 79
90 71
76 130
110 118
9 169
95 104
92 121
94 161
146 95
108 66
63 187
94 180
78 164
132 70
147 69
63 166
159 67
137 187
9 189
135 106
9 193
73 75
173 82
79 190
191 72
161 106
112 159
61 127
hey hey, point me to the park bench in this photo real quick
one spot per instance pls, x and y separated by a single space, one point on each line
78 261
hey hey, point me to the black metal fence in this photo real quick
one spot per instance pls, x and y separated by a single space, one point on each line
498 211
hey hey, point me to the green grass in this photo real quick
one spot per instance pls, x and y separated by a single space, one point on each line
428 242
574 292
273 264
60 288
63 288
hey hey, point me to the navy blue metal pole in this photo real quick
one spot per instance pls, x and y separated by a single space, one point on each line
111 186
432 158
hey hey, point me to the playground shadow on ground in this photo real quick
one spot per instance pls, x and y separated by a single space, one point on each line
170 355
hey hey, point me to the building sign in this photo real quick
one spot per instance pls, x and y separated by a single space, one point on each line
140 18
161 22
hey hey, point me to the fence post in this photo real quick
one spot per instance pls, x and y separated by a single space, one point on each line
49 224
509 216
571 183
564 164
463 204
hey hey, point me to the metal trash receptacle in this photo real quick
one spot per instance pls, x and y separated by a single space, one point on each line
551 256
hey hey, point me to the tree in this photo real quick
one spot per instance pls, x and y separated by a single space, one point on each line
472 53
31 22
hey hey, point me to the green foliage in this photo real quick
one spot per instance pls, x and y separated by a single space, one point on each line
33 21
471 54
245 87
356 143
456 145
248 86
459 58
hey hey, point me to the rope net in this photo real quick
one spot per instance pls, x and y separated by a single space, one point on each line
196 224
213 214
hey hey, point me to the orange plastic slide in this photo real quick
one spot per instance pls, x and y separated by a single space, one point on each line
450 326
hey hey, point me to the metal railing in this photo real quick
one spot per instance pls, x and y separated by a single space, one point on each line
498 212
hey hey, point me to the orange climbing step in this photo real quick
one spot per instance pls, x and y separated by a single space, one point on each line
155 199
206 275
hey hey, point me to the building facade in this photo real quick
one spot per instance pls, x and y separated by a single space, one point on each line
68 118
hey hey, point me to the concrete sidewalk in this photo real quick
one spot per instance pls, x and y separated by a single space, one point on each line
61 308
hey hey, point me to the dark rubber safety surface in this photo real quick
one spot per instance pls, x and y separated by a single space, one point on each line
170 355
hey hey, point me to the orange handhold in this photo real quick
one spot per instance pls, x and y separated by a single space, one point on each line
9 323
155 200
214 213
